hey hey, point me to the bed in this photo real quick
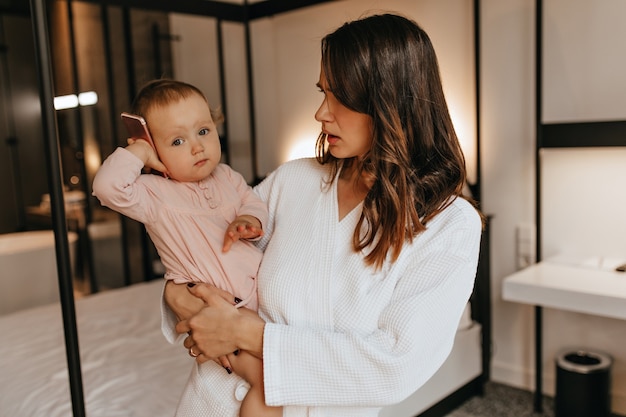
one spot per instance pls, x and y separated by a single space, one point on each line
128 369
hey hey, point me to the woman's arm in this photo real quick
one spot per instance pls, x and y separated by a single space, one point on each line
220 328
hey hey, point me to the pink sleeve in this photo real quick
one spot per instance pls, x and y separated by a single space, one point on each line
118 186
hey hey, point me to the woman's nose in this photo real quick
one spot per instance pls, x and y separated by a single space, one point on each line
322 114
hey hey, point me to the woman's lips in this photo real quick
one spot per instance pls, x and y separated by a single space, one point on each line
332 139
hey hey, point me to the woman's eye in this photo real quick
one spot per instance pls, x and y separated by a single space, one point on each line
177 142
203 131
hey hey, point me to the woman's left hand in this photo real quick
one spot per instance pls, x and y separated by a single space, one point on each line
220 328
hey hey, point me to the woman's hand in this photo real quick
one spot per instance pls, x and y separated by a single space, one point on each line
220 328
185 305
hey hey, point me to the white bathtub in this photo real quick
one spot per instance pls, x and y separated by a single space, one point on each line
28 269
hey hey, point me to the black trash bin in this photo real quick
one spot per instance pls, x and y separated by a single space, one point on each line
583 380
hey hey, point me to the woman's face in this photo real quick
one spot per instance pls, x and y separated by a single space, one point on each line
348 133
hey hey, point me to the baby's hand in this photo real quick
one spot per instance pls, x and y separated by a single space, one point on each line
243 227
144 151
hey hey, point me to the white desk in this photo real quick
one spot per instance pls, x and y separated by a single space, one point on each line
574 288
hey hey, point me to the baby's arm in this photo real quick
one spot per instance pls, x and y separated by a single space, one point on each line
119 185
247 366
144 151
243 227
182 303
250 368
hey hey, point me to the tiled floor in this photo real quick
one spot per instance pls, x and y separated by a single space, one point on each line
503 401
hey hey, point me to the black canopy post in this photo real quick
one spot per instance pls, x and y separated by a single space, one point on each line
57 205
250 80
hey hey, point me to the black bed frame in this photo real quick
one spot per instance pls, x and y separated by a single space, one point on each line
481 302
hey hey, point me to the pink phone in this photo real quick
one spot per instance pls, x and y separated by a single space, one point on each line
137 128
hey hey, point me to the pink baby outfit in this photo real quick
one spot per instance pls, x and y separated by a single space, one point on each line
187 221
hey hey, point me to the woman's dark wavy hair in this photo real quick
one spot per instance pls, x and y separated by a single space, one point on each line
385 66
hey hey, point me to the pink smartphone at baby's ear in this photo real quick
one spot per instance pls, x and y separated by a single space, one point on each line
137 128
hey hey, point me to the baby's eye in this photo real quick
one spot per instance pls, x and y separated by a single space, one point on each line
177 142
203 131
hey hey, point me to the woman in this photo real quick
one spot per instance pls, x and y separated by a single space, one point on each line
370 251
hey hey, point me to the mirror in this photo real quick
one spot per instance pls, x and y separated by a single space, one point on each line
109 51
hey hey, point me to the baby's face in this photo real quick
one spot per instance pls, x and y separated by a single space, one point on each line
186 138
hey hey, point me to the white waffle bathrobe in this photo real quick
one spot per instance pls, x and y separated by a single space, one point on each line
342 339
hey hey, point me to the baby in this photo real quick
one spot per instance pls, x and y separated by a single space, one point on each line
199 213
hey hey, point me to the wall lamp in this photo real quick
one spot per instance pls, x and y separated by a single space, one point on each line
70 101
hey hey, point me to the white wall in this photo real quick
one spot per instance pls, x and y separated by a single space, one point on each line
507 144
584 60
582 199
286 68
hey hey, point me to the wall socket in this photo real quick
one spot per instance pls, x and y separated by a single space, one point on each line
525 246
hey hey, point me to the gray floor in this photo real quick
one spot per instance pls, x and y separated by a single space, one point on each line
503 401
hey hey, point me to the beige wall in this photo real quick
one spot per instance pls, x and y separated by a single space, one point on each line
286 58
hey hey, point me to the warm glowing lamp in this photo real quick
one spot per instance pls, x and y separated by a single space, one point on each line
303 147
71 101
65 102
466 132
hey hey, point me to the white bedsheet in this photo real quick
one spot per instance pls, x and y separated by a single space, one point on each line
128 369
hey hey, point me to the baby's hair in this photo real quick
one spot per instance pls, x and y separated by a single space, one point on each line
164 91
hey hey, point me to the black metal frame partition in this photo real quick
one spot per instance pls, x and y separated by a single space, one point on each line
558 135
222 11
57 206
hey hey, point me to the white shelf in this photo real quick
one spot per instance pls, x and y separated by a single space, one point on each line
574 288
